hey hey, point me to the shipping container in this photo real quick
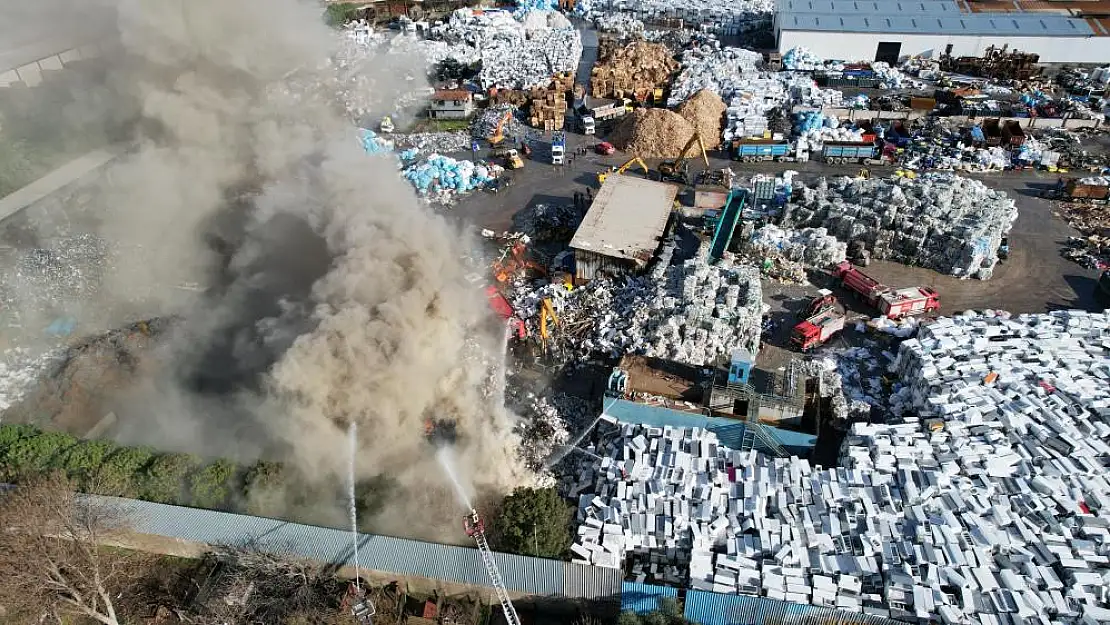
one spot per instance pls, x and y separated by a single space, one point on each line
923 104
1012 134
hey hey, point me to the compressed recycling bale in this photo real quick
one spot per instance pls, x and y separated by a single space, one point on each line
652 133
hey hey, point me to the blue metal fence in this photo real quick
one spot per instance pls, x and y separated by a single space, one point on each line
644 598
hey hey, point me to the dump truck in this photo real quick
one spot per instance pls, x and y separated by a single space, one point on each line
892 303
755 150
1074 190
848 151
818 328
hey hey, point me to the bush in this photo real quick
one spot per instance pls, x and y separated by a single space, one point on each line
534 522
120 474
82 462
164 479
35 454
211 486
264 488
628 617
12 432
339 14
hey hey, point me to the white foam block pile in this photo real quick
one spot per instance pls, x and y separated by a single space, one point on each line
991 504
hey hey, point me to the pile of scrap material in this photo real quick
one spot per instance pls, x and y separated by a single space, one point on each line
652 133
695 313
1005 446
943 222
812 246
709 66
548 222
705 110
549 103
633 71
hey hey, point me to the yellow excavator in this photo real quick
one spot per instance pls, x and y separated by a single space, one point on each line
678 170
635 160
498 133
547 311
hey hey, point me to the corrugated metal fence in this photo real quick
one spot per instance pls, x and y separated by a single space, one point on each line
397 556
709 608
644 598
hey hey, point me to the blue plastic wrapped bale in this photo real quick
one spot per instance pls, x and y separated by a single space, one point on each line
977 133
372 143
410 154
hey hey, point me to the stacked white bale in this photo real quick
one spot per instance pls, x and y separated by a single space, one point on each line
991 500
944 222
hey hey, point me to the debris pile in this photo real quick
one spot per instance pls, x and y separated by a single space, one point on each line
695 314
19 370
548 222
622 24
812 246
723 17
800 58
944 222
632 71
705 110
710 66
485 125
439 142
652 133
47 278
549 104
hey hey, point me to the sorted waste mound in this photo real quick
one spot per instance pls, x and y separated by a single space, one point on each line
705 110
76 388
652 133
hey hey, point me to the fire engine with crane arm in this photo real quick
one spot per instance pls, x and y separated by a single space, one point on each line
891 302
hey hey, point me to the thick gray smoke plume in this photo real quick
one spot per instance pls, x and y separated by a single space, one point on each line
333 295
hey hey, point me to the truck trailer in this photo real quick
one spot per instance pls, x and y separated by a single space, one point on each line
848 151
1076 191
892 303
755 150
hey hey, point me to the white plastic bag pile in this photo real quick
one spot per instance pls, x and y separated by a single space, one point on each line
894 78
801 58
20 370
695 314
441 142
723 17
811 246
723 70
943 222
622 24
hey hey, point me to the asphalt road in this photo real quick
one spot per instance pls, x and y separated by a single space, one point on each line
1036 278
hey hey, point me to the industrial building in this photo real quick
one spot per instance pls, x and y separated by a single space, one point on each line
624 226
872 30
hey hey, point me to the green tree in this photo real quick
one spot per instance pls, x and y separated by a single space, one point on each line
35 454
534 522
82 462
628 617
121 473
264 488
339 13
164 479
12 432
211 486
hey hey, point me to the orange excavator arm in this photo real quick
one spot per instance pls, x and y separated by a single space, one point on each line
498 133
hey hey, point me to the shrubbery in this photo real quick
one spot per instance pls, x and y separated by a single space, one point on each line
104 468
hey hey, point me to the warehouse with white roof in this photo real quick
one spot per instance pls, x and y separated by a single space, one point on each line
877 30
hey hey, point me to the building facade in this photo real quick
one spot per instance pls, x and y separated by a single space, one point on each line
451 104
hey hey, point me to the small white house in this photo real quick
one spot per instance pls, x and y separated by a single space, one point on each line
451 104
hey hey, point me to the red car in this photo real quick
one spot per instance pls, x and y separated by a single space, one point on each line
605 148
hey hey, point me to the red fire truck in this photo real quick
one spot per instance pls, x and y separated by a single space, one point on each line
818 328
891 302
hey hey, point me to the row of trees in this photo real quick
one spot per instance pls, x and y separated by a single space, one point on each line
102 467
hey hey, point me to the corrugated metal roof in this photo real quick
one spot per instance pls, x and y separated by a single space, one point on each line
922 17
627 218
644 598
398 556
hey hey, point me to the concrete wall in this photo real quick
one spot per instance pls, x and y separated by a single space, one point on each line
861 46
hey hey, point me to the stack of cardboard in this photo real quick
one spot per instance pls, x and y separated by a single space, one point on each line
633 71
549 104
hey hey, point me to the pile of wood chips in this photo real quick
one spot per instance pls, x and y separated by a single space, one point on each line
705 110
633 71
652 133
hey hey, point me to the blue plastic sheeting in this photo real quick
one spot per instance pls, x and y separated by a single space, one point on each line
644 598
372 143
729 431
444 172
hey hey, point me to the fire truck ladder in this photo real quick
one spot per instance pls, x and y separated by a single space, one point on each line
477 531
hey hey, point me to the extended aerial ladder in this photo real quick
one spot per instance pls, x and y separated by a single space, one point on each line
476 530
676 170
635 160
